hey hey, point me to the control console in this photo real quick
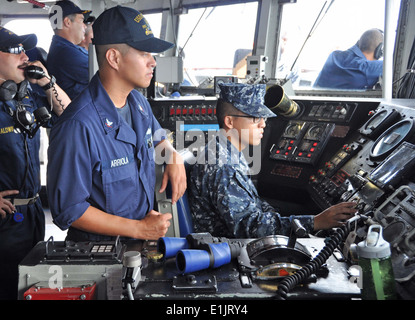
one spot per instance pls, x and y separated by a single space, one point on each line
189 121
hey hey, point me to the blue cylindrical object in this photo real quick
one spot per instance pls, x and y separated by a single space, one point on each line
214 255
188 260
221 254
170 246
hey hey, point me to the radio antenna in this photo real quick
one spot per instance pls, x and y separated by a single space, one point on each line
313 28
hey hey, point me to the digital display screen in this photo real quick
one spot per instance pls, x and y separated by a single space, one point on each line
200 127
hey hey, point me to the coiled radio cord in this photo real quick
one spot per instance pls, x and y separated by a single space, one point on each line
339 235
55 92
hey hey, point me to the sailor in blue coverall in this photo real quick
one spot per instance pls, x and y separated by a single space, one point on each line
67 61
22 221
101 169
359 67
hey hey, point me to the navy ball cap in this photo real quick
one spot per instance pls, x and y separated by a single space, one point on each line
10 39
126 25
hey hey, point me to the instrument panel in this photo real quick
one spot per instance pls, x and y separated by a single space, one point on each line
332 151
372 164
302 141
382 157
295 148
189 121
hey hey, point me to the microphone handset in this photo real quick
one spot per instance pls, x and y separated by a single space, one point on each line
34 72
25 120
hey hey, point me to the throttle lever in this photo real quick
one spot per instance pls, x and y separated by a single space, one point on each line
297 230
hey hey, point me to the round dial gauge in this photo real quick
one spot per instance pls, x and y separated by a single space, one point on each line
391 138
379 122
293 130
315 132
376 120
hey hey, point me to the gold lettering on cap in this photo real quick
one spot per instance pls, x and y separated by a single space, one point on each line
147 29
145 25
138 18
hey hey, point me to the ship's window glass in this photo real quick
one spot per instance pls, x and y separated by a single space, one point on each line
154 20
310 39
43 30
214 39
41 27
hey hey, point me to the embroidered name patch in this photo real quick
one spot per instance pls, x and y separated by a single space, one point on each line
6 130
118 162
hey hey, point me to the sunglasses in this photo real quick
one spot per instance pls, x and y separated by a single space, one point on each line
13 50
254 119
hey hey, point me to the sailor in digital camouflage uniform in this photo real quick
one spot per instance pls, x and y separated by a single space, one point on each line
223 198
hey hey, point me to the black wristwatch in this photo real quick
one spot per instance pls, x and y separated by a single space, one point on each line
50 84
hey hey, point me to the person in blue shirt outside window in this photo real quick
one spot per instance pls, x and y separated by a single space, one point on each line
356 68
67 61
103 149
222 196
22 220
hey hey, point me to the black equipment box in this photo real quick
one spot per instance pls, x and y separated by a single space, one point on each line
161 279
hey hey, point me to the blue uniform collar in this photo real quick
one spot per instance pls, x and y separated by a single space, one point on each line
355 49
61 41
103 105
107 112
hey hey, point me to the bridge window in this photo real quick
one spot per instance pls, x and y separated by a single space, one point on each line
312 30
215 39
41 27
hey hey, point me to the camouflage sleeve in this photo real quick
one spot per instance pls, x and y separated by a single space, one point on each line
245 214
307 221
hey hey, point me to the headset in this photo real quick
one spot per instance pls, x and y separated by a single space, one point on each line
9 89
379 49
378 53
25 121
